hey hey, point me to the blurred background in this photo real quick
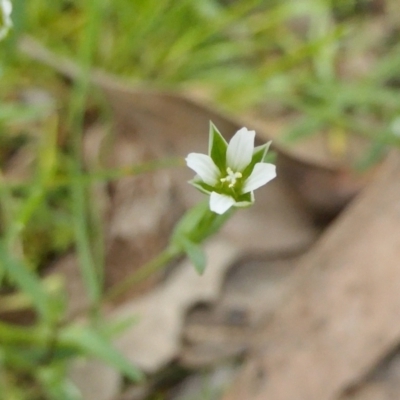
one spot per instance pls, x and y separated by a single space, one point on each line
99 100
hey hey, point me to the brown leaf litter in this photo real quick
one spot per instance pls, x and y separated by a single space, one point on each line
341 315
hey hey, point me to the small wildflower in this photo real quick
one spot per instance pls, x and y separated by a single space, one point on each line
5 17
231 172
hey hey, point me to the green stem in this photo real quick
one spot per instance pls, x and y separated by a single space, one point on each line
102 176
197 225
89 270
143 273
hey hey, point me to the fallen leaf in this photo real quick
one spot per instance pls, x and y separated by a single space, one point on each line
382 383
341 315
155 339
253 288
95 380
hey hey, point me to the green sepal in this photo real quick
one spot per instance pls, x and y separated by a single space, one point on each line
217 147
195 254
259 156
266 147
270 157
200 185
245 200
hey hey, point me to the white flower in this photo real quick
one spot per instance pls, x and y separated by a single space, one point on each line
5 17
231 172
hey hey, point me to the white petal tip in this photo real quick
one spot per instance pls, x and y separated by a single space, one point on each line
240 149
204 166
261 175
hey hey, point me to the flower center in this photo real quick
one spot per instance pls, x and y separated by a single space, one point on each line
231 178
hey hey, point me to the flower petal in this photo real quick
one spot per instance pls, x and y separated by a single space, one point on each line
219 203
262 174
5 20
204 166
240 150
7 7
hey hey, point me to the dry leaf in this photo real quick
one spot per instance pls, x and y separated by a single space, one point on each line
341 316
253 288
155 339
95 380
383 383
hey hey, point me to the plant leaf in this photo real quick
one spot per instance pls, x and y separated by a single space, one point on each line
27 281
189 222
94 344
195 254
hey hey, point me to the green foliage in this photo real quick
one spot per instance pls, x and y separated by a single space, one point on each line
195 254
195 226
231 50
90 341
240 54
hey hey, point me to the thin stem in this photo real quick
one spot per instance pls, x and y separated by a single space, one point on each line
143 273
89 270
99 176
117 173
